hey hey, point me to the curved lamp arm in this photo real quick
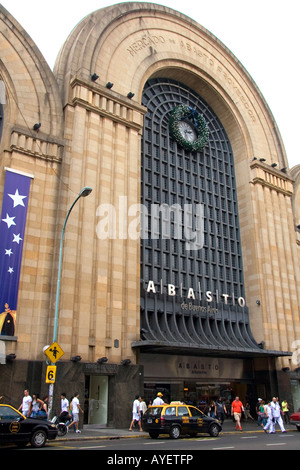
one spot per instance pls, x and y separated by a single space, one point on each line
83 193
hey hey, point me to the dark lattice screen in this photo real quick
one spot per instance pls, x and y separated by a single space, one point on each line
172 175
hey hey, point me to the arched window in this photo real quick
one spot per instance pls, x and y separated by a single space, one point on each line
197 292
172 175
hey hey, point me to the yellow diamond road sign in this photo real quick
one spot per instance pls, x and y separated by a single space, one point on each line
54 352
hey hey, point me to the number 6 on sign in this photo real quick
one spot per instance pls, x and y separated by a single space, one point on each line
50 374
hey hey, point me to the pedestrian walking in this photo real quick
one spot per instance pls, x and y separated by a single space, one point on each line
247 412
276 413
220 410
136 416
269 425
142 407
257 409
236 410
285 412
76 408
26 404
262 413
64 408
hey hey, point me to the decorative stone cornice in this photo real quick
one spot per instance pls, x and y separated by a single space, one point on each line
37 147
107 103
276 180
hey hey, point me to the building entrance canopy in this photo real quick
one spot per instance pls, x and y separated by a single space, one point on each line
225 333
191 349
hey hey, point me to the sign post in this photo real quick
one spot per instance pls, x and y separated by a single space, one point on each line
53 352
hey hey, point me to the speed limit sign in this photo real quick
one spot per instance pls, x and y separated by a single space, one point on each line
50 374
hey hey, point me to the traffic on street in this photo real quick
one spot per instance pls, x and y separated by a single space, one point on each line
118 444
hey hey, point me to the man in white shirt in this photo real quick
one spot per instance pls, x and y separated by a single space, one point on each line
64 408
276 413
26 404
270 425
75 407
158 400
136 415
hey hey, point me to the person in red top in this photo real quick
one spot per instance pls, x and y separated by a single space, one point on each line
236 411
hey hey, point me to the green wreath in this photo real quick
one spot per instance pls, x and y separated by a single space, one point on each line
181 112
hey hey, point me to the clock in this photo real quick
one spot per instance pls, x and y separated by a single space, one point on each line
188 128
187 131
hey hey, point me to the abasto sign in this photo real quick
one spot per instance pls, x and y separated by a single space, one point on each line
187 302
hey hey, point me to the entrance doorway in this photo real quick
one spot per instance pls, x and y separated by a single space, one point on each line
200 394
96 401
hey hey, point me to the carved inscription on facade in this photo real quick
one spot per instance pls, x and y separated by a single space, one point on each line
146 41
153 41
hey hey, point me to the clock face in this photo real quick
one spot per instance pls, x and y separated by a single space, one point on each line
187 131
188 128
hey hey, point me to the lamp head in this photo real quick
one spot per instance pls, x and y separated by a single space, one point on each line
85 191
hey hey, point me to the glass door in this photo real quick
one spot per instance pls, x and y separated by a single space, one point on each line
97 400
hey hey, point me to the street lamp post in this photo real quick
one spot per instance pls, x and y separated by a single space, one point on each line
83 193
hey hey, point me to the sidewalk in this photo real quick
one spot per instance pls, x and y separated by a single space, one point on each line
97 432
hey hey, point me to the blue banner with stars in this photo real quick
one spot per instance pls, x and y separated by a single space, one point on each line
12 231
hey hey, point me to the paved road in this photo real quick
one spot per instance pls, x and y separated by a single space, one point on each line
234 441
115 447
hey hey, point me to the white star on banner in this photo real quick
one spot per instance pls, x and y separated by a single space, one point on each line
17 198
10 270
17 238
8 252
9 221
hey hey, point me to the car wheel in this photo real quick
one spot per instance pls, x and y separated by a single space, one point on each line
153 435
175 432
298 428
38 438
214 430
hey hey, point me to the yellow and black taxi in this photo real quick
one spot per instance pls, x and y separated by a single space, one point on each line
16 429
177 419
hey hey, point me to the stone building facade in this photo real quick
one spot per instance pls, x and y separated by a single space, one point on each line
116 305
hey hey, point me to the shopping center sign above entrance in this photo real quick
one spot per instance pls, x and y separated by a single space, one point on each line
207 297
191 367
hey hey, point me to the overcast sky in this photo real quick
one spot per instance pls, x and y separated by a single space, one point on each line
262 34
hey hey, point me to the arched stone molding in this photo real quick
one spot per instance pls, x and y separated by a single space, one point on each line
32 97
31 89
124 42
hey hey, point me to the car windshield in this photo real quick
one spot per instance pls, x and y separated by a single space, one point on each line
8 413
